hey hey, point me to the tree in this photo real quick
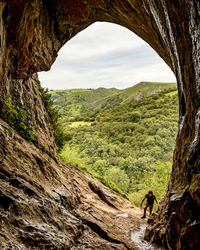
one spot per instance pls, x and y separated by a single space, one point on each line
100 167
135 116
119 177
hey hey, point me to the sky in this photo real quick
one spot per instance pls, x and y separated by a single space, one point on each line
105 55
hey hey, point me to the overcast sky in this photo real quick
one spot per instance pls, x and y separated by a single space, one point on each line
105 55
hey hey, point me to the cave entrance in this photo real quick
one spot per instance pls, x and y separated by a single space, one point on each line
120 109
32 33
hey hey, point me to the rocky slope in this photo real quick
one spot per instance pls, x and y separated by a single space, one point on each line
45 204
31 34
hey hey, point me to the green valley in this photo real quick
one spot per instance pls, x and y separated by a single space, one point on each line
124 137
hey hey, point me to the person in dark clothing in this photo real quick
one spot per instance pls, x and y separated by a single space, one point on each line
150 201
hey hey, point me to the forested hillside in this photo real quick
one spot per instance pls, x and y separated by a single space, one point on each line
128 146
73 103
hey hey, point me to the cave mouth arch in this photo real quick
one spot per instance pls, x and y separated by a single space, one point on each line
29 44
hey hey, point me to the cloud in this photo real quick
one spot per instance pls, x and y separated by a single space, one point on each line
105 55
119 58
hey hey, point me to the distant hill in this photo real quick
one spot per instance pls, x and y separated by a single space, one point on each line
82 96
143 89
75 102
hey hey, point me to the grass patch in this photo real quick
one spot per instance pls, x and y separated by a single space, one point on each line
79 124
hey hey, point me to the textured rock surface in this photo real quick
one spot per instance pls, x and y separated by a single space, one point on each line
31 34
47 205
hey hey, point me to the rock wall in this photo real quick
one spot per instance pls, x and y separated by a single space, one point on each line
31 34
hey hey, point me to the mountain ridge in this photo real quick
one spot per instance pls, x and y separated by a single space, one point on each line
73 102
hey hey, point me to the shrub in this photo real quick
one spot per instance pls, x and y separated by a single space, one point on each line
119 177
135 116
17 119
61 137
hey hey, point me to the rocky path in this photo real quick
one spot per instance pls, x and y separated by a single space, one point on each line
113 214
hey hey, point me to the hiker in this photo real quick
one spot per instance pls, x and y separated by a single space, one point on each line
150 200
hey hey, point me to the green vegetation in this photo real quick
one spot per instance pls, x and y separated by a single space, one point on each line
75 103
61 137
17 119
129 146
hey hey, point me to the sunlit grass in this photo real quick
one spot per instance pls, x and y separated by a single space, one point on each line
172 93
71 156
79 124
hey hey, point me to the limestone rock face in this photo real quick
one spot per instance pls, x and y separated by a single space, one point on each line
31 34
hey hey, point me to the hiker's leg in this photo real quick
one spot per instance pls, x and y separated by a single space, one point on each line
145 210
150 208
